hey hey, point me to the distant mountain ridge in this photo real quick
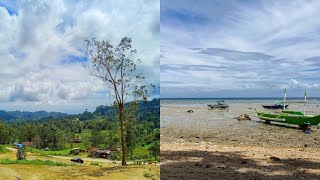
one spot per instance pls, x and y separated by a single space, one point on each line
27 115
147 110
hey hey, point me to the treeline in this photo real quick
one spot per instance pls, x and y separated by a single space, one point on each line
146 111
26 115
97 129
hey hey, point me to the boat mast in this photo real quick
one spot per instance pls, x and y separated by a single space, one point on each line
305 101
284 99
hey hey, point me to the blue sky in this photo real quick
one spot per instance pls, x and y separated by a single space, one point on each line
43 65
236 48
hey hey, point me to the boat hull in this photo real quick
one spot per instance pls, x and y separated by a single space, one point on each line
277 106
289 118
218 106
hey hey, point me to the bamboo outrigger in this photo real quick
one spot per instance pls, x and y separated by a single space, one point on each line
290 117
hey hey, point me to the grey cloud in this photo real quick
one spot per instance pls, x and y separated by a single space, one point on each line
170 82
182 67
20 94
314 61
275 92
234 55
163 51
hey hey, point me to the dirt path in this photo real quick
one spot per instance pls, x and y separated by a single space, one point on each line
12 149
8 173
88 159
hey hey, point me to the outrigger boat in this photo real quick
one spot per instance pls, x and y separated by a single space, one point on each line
276 105
219 105
290 117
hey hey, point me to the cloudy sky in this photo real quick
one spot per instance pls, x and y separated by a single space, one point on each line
236 48
42 61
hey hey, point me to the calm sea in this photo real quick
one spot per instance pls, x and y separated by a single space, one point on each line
204 101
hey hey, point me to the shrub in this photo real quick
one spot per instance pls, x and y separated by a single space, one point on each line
3 149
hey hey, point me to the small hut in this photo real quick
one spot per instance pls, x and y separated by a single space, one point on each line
101 153
75 151
98 153
113 152
91 151
28 143
77 140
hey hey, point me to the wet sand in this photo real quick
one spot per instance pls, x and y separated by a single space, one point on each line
212 144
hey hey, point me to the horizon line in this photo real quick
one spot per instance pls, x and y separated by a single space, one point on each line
236 97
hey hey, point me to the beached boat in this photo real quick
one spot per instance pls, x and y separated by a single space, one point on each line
276 105
290 117
219 105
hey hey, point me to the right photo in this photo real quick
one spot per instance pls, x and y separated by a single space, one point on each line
240 89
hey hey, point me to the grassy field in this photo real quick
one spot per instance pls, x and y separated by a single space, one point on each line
41 165
33 162
79 172
64 152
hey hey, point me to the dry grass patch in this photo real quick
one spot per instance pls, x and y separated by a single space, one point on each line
79 172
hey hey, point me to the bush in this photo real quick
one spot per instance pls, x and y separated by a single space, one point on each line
149 176
3 149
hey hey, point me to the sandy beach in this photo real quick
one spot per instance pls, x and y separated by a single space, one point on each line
212 144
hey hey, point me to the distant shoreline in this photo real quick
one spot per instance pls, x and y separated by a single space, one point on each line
241 98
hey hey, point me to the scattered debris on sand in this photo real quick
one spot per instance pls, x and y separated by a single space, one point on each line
243 117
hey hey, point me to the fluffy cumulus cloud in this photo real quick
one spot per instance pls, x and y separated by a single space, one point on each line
239 48
43 65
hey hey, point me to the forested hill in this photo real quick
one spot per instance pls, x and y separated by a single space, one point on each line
97 129
149 110
26 115
146 111
144 107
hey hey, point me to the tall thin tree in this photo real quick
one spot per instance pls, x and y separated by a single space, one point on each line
117 68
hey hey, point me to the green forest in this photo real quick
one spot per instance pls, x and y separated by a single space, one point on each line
58 133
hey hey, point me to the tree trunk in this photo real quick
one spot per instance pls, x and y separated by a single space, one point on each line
121 133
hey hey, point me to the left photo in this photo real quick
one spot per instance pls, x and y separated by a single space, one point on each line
79 89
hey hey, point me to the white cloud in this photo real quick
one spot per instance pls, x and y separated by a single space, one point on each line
42 55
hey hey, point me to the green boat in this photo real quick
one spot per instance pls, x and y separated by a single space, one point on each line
290 117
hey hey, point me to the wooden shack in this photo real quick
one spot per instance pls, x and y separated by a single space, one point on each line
98 153
28 143
75 151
